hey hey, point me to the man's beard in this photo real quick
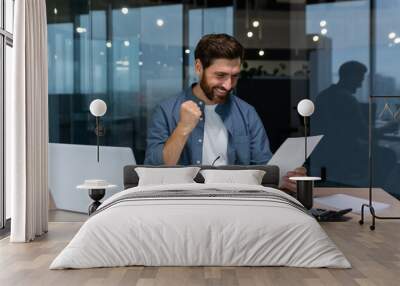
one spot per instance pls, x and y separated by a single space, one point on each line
209 92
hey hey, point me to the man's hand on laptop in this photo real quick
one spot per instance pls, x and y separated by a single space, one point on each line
289 185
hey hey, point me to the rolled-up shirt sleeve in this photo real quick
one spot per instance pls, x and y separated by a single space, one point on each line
259 143
157 134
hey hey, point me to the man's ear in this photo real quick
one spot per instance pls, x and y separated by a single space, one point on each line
198 68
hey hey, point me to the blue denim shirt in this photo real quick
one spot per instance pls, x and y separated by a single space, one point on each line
247 140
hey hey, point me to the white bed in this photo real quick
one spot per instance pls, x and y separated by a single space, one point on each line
207 230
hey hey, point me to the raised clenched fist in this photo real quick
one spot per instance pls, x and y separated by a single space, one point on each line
190 114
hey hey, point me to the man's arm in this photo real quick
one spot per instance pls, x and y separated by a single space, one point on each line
260 153
165 149
173 147
189 116
157 134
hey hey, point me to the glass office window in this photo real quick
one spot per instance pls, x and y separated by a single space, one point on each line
161 52
385 111
2 190
82 71
61 60
339 86
385 129
8 88
6 66
339 42
133 56
9 15
206 21
387 77
99 52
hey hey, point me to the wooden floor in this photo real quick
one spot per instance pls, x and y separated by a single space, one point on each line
66 216
374 255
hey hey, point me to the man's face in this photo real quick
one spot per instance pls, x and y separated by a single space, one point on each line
355 82
219 79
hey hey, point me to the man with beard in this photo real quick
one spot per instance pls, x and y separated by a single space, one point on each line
205 124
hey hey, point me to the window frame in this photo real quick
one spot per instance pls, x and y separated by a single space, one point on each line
6 39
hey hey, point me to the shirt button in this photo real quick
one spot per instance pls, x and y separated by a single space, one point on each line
198 162
200 140
201 118
200 102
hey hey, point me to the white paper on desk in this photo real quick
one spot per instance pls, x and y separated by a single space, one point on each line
342 201
290 154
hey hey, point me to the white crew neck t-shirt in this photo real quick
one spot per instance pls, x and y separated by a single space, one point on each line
215 141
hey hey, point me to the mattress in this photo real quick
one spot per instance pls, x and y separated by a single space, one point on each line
201 225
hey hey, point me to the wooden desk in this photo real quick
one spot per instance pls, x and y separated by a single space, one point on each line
378 195
374 255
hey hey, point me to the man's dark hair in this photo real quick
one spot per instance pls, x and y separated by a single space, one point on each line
217 46
350 68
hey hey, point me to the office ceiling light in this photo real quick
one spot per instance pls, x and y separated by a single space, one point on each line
397 40
187 51
324 31
260 53
124 10
392 35
81 30
322 23
123 63
249 34
256 24
315 38
126 43
108 44
160 22
55 11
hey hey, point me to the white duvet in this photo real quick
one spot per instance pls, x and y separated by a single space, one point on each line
200 231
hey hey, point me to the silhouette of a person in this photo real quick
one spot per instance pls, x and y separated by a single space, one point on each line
344 148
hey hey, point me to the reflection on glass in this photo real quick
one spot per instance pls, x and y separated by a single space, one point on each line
339 65
386 110
387 78
385 144
341 44
340 117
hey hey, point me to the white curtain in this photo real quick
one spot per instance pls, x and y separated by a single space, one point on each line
27 123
